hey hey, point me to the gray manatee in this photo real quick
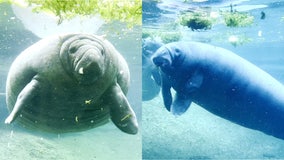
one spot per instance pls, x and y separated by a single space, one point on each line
222 83
68 83
151 80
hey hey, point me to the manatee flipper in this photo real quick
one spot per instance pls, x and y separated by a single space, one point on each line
166 92
120 111
180 105
24 97
194 82
182 102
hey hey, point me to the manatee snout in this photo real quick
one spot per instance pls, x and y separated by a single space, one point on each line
162 57
90 66
161 61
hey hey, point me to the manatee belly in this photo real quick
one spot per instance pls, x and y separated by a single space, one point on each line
61 114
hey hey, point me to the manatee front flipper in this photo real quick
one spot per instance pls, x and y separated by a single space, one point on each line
180 104
120 111
166 91
24 97
194 82
182 101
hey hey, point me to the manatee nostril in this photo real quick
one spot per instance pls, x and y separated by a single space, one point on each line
158 61
93 69
102 52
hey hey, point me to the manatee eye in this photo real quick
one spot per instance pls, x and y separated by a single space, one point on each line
72 50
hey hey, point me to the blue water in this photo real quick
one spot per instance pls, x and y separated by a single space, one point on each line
198 134
104 142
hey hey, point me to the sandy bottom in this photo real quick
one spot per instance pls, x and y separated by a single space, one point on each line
103 143
198 134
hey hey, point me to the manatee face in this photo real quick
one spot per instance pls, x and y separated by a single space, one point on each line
167 57
84 57
162 58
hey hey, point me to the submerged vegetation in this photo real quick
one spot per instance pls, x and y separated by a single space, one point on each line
128 11
237 19
233 18
201 19
170 37
196 21
204 18
163 36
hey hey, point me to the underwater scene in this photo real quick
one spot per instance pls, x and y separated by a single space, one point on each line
21 27
131 80
218 85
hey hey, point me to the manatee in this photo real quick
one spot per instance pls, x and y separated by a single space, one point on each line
221 82
151 80
69 83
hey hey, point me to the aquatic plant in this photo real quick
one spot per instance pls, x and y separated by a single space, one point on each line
237 19
164 36
196 21
170 37
128 11
147 34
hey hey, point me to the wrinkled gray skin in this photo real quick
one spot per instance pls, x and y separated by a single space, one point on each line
70 82
222 83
